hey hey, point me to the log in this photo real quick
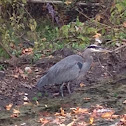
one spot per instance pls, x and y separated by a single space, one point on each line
61 2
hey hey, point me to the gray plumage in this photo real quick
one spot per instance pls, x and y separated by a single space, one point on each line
69 68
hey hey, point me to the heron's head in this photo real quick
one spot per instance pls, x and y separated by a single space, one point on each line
96 48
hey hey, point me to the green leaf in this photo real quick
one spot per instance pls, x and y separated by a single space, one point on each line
34 98
83 38
120 7
32 24
91 30
39 94
65 30
24 1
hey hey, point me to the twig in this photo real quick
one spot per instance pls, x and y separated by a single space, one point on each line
124 40
102 67
93 20
119 48
25 9
83 14
6 50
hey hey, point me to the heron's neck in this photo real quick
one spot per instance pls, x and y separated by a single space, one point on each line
87 55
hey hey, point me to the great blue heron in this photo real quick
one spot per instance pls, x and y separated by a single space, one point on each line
69 68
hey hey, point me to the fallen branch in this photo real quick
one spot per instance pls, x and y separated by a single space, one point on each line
62 2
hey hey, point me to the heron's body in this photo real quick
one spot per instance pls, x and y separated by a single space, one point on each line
68 69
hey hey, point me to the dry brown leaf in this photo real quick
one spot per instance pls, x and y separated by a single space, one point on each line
98 17
43 39
67 2
43 121
124 24
82 85
16 76
8 107
27 51
107 114
57 114
62 113
51 56
91 120
123 120
15 113
97 35
115 116
79 110
20 71
12 45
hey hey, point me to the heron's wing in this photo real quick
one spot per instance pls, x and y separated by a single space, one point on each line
65 70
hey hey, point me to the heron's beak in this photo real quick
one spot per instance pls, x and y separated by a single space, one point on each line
105 51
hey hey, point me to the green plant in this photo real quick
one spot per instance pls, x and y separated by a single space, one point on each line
35 99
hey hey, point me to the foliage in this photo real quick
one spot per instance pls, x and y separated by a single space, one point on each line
19 30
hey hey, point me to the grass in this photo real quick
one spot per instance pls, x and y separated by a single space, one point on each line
3 54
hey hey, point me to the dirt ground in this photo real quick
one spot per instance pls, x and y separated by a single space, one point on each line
105 84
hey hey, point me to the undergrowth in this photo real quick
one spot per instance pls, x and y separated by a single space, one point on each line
19 30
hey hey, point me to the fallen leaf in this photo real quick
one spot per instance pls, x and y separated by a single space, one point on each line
12 45
124 24
20 71
97 35
15 113
107 115
124 102
91 120
67 2
123 120
62 113
27 51
16 76
43 39
43 121
82 85
50 56
8 107
115 116
79 110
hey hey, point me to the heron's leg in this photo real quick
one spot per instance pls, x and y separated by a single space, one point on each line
68 87
61 89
